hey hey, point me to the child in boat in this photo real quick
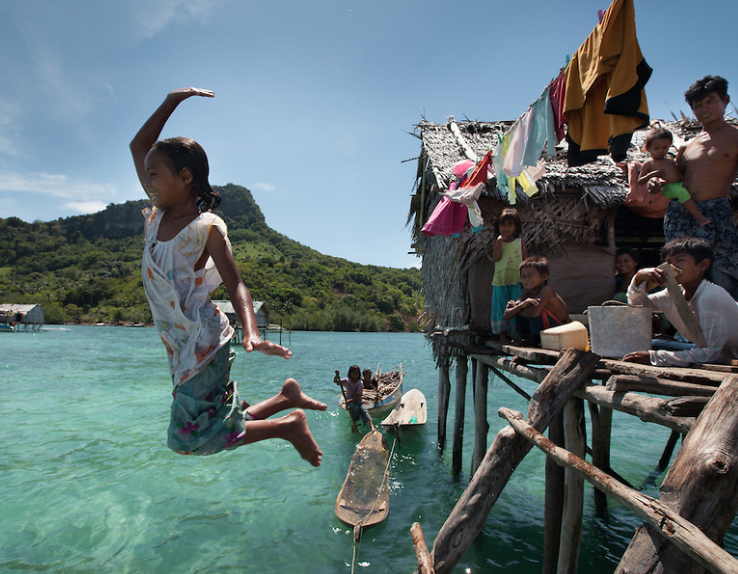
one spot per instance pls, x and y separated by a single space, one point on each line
354 393
187 254
716 311
369 381
657 144
539 306
508 252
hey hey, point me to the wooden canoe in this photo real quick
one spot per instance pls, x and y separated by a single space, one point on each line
408 416
364 497
381 401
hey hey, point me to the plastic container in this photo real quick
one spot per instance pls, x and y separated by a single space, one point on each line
571 335
617 330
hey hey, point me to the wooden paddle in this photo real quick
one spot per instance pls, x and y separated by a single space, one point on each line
337 379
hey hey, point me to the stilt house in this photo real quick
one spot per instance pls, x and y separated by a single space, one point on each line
577 219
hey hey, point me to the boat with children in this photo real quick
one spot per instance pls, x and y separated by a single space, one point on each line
381 400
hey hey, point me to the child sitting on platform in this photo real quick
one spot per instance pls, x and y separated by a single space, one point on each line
539 306
716 311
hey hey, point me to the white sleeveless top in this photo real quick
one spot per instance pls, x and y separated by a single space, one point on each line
189 324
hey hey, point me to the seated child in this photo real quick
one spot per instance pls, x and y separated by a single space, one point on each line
658 142
716 311
369 381
539 306
354 394
626 264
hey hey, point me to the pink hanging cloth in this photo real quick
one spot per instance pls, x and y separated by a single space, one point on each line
449 216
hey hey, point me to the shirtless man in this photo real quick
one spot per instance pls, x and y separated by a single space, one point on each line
709 165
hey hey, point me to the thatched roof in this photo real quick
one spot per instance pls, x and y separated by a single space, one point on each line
601 181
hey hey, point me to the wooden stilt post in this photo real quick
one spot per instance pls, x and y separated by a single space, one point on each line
504 454
481 425
571 522
444 391
462 369
554 505
601 434
425 565
680 531
699 487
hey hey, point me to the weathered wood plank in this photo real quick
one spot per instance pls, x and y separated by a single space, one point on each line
504 454
656 386
701 487
648 409
660 516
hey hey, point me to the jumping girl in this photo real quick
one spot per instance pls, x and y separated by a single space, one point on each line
187 255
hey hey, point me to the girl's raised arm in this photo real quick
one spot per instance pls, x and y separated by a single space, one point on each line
149 132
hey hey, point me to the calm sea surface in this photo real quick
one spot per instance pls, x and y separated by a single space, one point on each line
87 484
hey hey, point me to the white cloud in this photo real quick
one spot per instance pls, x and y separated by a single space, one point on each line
59 186
153 16
85 206
268 187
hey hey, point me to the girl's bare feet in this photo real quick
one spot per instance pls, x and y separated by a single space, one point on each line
293 393
298 434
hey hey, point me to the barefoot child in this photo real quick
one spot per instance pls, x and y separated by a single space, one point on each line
539 306
508 252
658 142
186 256
354 386
714 308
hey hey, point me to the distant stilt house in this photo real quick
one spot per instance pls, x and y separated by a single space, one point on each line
260 310
576 219
22 317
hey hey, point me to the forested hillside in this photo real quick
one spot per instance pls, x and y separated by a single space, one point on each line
87 269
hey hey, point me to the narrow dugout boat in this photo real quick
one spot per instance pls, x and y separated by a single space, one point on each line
382 400
408 416
364 497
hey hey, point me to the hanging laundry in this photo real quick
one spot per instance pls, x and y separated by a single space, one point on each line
604 99
556 95
541 130
518 138
450 214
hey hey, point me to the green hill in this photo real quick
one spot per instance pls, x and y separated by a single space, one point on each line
87 269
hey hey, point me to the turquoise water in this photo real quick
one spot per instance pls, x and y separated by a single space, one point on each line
88 484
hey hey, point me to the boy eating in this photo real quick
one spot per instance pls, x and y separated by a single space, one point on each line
716 311
539 306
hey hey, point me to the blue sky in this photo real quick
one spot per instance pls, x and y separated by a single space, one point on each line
313 100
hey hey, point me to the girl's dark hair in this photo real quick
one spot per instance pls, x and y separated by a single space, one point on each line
186 153
510 214
657 133
699 249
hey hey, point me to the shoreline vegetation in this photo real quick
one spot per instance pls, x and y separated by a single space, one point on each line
86 270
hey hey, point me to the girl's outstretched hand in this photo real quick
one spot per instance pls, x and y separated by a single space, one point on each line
266 347
184 93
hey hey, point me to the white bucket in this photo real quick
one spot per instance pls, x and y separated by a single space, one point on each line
617 330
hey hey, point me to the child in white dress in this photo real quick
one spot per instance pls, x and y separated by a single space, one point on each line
187 255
